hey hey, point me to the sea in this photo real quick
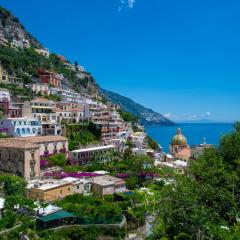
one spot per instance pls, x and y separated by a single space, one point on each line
194 132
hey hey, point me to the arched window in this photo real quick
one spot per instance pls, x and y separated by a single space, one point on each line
28 131
18 131
23 131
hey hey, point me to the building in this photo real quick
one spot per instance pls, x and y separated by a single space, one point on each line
138 140
49 145
48 189
79 186
3 75
106 185
43 51
4 95
184 154
49 77
67 95
72 112
84 155
178 143
40 88
14 112
2 203
42 109
20 158
16 43
22 127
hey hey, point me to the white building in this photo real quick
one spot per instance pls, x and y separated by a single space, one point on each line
22 127
40 88
43 51
2 202
42 109
4 95
82 156
79 186
17 43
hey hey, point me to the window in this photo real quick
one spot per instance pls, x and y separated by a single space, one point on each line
68 189
23 131
61 191
18 131
77 187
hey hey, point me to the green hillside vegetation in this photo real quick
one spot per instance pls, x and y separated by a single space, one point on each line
205 203
24 63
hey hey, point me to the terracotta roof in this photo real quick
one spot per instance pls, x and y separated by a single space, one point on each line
186 152
41 139
15 143
76 109
40 100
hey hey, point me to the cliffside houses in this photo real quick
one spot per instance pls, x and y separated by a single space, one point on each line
50 77
22 127
20 43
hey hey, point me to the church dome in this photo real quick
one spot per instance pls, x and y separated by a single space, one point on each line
179 139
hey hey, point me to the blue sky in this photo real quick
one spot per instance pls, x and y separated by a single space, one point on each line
179 57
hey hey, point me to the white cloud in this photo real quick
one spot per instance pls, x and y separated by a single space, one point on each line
207 114
131 3
126 4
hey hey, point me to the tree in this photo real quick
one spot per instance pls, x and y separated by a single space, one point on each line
58 159
13 185
152 143
205 203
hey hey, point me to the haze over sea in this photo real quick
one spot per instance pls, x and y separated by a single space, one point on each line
194 132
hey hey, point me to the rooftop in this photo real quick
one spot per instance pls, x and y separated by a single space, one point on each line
56 215
186 152
106 180
15 143
46 184
93 148
42 139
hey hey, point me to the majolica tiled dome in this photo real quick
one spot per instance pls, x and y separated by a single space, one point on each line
179 139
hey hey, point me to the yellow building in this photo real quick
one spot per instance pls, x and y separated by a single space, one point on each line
3 75
49 189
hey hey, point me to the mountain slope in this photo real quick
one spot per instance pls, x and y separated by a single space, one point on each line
24 62
147 116
11 28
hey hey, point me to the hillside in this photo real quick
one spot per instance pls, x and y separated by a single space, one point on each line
147 116
11 28
20 57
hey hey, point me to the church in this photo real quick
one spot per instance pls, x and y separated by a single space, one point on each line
178 143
